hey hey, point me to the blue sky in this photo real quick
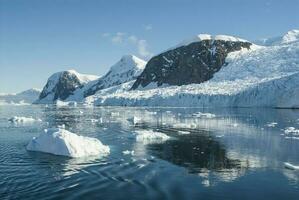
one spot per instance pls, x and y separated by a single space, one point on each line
40 37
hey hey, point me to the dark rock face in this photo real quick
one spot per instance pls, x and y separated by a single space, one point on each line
194 63
66 84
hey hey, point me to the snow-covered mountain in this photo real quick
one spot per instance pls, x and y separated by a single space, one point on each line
290 36
128 68
72 86
25 97
193 61
63 84
260 76
206 71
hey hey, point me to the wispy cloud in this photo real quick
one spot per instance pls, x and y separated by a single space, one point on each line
141 45
118 38
148 27
106 34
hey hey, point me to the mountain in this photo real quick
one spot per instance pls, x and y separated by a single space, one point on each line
205 71
290 36
63 84
258 76
25 97
72 86
192 61
128 68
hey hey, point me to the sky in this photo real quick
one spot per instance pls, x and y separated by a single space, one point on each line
41 37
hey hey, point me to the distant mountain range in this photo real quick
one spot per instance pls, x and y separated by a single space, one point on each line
205 71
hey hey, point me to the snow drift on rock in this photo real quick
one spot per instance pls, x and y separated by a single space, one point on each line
59 141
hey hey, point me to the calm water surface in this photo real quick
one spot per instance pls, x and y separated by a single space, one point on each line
232 156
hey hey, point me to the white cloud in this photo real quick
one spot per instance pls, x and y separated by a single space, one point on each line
142 46
118 38
133 39
106 35
148 27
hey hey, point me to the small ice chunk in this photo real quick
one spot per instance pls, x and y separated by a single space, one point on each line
291 130
150 136
134 120
114 114
271 124
184 125
291 166
17 119
203 115
66 103
127 152
183 132
92 120
59 141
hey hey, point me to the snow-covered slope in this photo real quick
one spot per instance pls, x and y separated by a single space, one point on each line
126 69
62 84
201 37
193 61
264 76
290 36
25 97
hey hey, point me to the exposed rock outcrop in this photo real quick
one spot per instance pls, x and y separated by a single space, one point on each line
195 61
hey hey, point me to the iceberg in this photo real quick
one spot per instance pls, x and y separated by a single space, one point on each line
59 141
291 166
150 136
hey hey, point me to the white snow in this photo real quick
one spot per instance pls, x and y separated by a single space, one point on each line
291 166
17 119
59 141
290 36
201 37
150 136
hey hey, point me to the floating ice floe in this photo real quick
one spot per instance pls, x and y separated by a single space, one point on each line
127 152
203 115
59 141
17 119
114 114
134 120
183 132
291 166
271 124
93 120
150 136
291 130
66 103
185 125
